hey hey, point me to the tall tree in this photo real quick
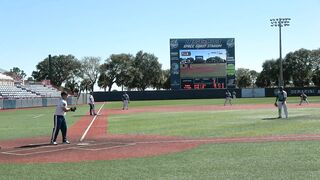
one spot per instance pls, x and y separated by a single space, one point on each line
90 67
298 67
146 71
316 77
107 76
253 77
263 80
269 75
71 85
315 58
117 68
63 68
104 82
124 65
16 73
85 85
163 81
243 77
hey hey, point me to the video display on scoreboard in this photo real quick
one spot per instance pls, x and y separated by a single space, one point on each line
202 63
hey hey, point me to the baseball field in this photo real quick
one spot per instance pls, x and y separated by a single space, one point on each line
176 139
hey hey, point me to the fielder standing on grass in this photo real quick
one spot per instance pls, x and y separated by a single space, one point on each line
125 101
60 121
281 102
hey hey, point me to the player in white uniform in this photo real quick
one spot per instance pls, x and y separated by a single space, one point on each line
228 98
59 120
91 104
281 101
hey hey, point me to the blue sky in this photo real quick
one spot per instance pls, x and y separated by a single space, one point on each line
32 29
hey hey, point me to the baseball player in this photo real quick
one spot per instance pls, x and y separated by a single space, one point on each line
281 102
303 98
125 100
228 98
91 104
234 95
59 120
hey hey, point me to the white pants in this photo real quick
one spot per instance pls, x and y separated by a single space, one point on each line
285 109
125 104
301 101
227 99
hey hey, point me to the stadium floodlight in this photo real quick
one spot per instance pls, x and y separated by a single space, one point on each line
280 22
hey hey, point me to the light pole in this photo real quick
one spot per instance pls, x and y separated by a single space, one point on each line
280 22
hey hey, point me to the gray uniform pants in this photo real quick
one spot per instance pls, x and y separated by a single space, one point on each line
125 104
283 105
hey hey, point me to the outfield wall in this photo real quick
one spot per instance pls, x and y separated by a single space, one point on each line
159 95
1 103
201 94
155 95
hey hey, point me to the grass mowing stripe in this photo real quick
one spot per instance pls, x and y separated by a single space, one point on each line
271 160
216 123
193 102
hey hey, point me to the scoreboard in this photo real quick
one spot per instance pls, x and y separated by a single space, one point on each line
202 63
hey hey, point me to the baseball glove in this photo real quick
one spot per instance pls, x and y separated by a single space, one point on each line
73 109
276 104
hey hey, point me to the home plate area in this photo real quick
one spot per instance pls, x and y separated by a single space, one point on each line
112 147
33 149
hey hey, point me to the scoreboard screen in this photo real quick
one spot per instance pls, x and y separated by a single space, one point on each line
202 63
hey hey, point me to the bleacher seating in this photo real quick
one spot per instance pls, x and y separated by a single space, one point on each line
41 90
15 92
28 91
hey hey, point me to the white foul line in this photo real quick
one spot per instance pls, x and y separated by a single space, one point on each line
85 133
38 116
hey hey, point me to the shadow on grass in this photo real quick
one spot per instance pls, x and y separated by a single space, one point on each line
269 119
296 117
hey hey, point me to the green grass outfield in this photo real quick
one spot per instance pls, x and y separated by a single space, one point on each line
268 160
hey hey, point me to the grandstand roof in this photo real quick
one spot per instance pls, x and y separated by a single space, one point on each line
5 77
2 70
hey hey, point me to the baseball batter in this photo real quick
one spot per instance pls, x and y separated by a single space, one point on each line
281 101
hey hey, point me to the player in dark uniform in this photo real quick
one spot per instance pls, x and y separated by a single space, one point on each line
303 98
